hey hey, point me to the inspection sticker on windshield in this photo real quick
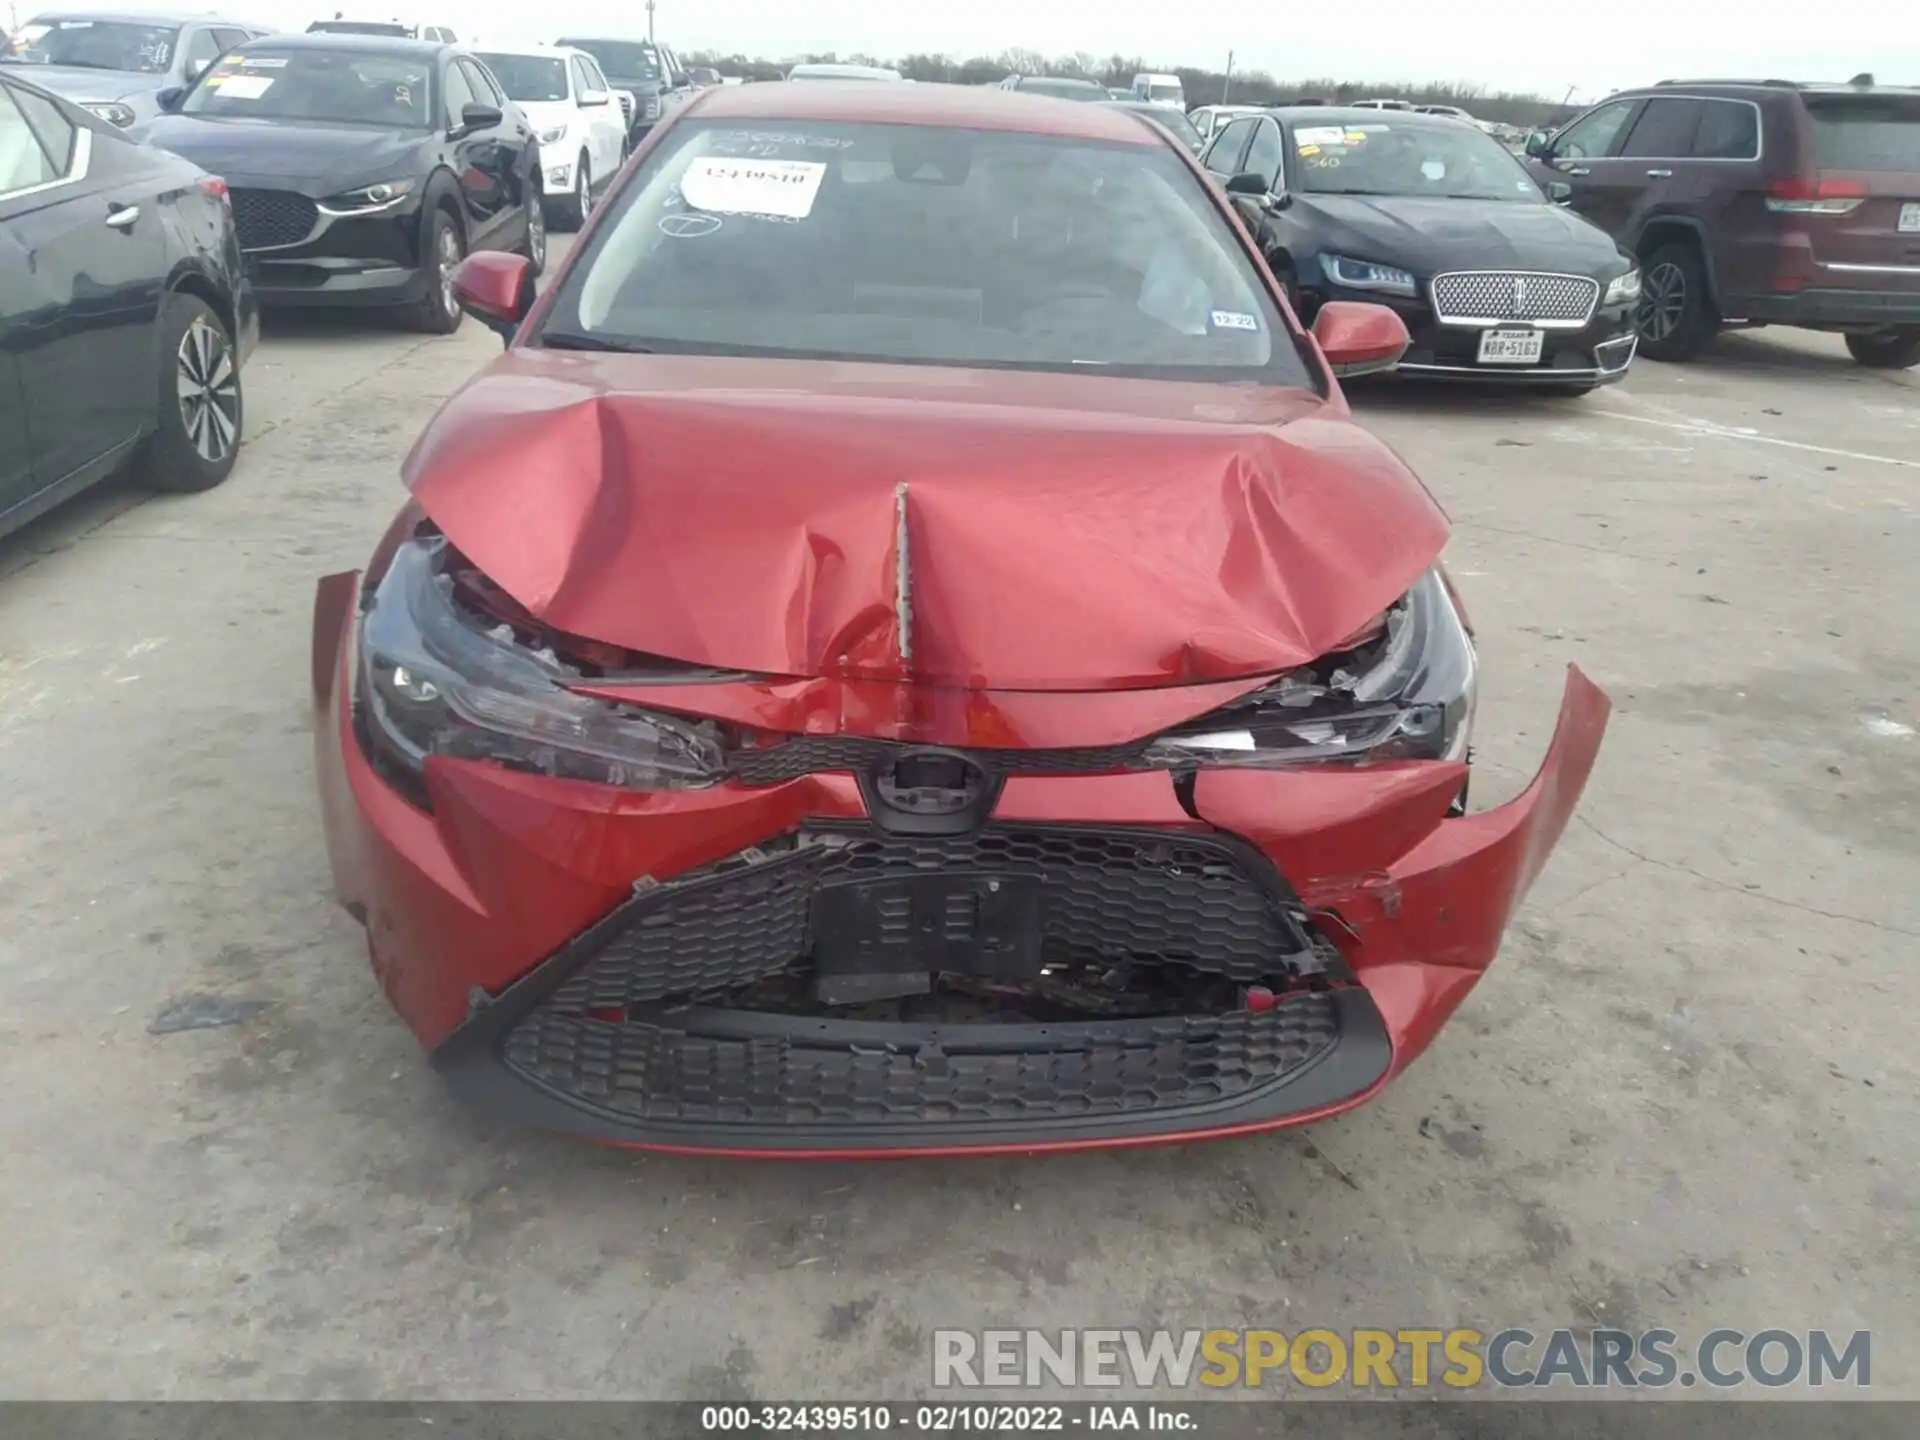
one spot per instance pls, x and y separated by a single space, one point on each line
785 188
242 87
1234 320
1317 135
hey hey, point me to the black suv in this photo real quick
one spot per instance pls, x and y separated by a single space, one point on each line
1757 202
651 73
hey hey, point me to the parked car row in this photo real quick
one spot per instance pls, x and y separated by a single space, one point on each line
1645 225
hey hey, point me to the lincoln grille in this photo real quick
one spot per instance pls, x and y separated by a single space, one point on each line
265 219
1468 296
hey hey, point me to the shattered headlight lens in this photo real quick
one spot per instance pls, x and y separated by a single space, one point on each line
435 681
1411 699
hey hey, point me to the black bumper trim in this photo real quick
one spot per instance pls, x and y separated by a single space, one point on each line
1357 1059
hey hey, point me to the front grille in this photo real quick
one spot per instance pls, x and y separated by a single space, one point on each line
693 1069
1470 297
1107 896
811 754
265 219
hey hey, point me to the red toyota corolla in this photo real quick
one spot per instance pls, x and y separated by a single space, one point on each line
908 652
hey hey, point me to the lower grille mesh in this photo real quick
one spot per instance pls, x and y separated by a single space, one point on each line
264 219
659 1072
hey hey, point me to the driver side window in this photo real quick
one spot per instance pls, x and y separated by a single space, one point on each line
1263 155
1591 137
459 95
1223 156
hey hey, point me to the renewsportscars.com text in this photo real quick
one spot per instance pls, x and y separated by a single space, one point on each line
1457 1359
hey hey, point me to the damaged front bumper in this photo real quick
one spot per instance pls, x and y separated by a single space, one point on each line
628 965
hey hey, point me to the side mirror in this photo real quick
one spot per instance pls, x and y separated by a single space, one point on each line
479 117
1540 145
1247 182
496 289
1360 339
1559 191
169 99
594 97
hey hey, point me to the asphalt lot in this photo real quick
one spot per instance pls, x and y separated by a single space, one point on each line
1684 1097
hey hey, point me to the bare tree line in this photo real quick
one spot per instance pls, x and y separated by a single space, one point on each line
1203 86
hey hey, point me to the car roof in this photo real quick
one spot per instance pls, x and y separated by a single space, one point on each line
530 47
1745 88
984 107
1359 115
371 44
143 17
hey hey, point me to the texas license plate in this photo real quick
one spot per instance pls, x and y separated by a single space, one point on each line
1910 216
1511 347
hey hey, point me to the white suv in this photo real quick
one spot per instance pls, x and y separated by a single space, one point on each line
582 128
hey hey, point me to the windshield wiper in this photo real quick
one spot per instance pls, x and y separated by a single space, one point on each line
575 340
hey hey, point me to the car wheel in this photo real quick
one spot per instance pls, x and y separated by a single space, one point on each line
196 434
438 311
1895 348
1676 318
534 247
580 202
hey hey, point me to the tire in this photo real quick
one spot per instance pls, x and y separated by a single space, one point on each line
577 206
197 427
1676 318
1895 348
437 312
534 247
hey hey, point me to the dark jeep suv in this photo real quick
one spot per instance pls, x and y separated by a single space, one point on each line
1757 202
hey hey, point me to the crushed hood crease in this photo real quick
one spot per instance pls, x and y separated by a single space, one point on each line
1065 532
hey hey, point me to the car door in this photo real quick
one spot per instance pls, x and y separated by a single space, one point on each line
609 122
1655 161
1222 157
603 149
1263 158
91 267
1584 157
1719 183
16 309
478 156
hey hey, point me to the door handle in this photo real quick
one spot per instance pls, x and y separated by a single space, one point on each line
1659 174
122 217
1579 170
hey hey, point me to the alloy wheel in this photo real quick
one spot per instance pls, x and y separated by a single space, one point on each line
208 384
1663 301
449 261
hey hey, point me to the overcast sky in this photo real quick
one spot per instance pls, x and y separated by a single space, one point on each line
1501 44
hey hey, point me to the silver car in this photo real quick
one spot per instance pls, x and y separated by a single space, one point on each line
115 63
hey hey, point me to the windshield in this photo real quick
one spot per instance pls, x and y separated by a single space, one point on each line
1394 157
1866 133
348 86
528 78
1064 89
917 244
94 45
1164 92
623 59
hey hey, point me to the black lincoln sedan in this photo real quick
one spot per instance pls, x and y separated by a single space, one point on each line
125 313
1495 279
362 168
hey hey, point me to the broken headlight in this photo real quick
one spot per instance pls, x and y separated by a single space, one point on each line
1405 695
437 681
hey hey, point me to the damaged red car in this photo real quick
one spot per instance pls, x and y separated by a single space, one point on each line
907 652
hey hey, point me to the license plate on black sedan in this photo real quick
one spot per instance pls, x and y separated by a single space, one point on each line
1512 347
1910 217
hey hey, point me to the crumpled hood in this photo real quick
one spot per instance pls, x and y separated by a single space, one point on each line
1433 234
314 157
1060 532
